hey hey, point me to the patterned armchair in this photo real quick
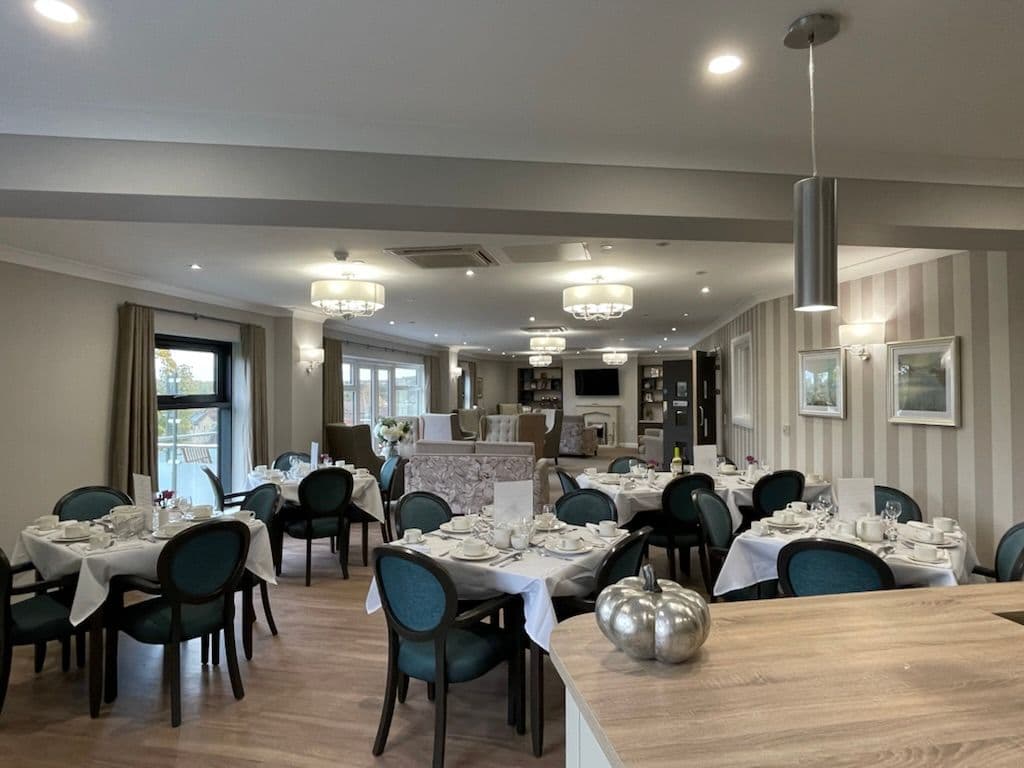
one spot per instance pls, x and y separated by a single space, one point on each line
577 438
499 429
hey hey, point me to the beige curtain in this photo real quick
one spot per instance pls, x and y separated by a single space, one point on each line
133 437
254 359
432 373
334 412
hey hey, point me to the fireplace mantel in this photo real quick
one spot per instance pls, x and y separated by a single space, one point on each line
601 414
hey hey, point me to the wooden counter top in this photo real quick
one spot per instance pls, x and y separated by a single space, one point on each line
914 677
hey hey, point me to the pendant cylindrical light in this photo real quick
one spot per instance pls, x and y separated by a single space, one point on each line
553 344
614 358
540 361
815 242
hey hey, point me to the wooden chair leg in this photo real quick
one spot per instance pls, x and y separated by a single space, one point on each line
440 723
366 544
265 597
40 657
80 642
431 692
671 552
204 649
388 710
403 687
172 655
537 698
110 666
65 653
215 648
346 530
5 672
333 548
248 619
309 560
232 653
385 537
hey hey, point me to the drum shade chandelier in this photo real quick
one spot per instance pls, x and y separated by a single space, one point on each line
552 344
346 297
614 358
540 361
598 300
815 239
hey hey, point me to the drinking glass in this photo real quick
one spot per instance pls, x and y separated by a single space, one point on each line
891 515
633 463
820 516
293 467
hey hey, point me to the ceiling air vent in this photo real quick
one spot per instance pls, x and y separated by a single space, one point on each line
546 253
445 256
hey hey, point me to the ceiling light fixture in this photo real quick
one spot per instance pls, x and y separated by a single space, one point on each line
705 289
614 358
57 11
470 273
723 65
391 322
552 344
598 301
606 246
815 238
540 361
533 319
436 335
673 330
195 267
346 298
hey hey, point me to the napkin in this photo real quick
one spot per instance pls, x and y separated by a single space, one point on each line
83 548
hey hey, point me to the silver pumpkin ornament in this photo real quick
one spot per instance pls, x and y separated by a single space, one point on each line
650 618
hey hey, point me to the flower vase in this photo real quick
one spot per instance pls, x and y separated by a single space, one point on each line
391 450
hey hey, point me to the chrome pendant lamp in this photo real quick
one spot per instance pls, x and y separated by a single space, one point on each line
815 240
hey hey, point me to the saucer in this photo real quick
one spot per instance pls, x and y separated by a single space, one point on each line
70 539
552 547
948 542
557 525
936 561
487 554
447 528
780 524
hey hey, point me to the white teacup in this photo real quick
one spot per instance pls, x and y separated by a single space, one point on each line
926 552
461 523
99 540
590 471
202 512
799 507
502 537
936 536
520 541
76 530
946 524
474 547
413 535
569 543
47 522
607 527
759 528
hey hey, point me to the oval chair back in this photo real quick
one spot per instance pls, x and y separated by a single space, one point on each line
622 559
620 465
423 510
1010 554
325 492
284 461
387 472
716 527
776 490
677 500
89 502
828 567
567 481
585 505
264 501
218 487
203 563
909 509
418 596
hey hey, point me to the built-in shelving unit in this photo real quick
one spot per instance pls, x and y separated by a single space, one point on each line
650 407
540 387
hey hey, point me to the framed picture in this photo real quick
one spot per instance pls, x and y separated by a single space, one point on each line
822 383
924 381
479 388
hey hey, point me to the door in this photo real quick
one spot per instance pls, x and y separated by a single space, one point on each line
705 377
678 426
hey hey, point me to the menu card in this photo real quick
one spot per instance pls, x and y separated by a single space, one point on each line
855 497
705 459
314 455
513 501
142 487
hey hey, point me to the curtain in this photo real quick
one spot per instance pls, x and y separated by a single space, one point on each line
134 430
254 361
473 395
334 412
432 374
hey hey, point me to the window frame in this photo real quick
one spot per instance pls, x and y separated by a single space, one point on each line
741 380
375 366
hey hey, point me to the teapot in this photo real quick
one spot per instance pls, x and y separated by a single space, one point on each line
870 528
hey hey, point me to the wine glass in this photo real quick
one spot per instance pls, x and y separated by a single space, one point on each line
633 463
891 515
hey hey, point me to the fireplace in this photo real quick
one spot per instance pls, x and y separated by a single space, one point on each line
604 419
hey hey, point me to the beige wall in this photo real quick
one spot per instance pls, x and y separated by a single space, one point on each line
967 472
498 377
56 373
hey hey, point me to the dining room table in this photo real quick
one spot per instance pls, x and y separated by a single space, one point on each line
365 491
753 558
133 554
633 494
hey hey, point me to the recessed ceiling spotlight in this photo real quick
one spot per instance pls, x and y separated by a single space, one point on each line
673 330
723 65
686 314
391 322
705 289
195 267
665 338
504 353
470 273
464 342
57 11
533 319
488 349
435 335
577 351
606 246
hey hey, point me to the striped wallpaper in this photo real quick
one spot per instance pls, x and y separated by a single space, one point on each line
967 472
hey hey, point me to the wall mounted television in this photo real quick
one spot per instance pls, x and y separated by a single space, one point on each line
597 382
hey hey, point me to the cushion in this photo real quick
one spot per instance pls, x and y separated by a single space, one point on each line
39 619
150 620
470 653
322 528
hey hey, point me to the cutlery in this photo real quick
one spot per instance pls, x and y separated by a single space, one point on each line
514 558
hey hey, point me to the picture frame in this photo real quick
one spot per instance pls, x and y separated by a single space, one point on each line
924 381
821 383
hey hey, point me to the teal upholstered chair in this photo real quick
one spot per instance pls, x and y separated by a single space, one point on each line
34 621
220 499
567 481
773 492
828 567
677 527
620 465
715 533
1009 565
429 640
324 499
89 502
392 482
423 510
909 509
284 461
198 572
585 505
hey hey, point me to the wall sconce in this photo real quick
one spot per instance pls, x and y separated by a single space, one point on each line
456 371
857 336
311 357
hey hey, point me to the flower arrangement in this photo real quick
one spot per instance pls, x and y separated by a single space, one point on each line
391 431
164 499
751 460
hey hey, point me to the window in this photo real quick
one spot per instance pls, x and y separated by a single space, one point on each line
193 390
374 389
742 384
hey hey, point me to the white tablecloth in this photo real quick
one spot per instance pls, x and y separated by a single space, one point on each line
536 578
753 559
365 493
132 558
646 496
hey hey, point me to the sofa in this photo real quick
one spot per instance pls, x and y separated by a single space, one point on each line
577 439
463 472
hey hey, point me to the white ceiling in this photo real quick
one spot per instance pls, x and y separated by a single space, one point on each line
915 89
273 266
